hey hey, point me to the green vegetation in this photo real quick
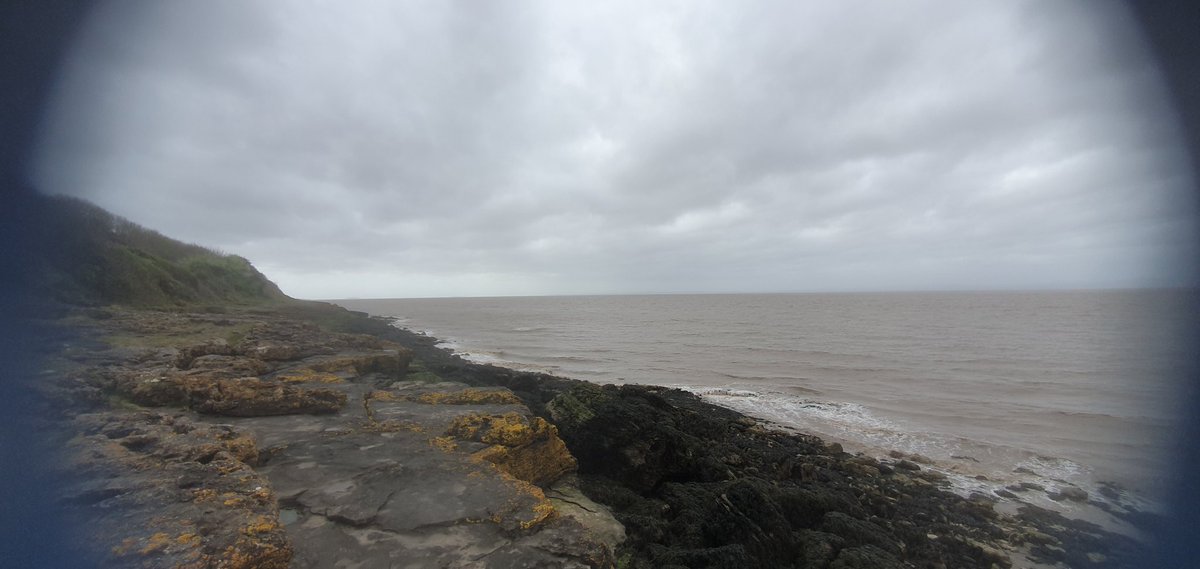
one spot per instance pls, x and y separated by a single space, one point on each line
193 333
92 257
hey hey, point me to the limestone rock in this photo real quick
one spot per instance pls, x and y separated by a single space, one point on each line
163 491
526 448
252 397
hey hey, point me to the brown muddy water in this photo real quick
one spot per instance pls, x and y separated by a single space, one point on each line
1054 388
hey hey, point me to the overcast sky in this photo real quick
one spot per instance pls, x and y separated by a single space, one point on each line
396 149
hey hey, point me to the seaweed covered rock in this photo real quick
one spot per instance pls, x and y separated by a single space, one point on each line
701 486
635 436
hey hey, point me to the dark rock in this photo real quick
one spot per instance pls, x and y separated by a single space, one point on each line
819 548
859 532
865 557
1110 491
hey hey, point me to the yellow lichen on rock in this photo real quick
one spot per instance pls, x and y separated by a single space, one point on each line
509 429
385 396
156 542
469 396
188 539
247 554
261 524
308 375
242 448
445 444
528 449
542 511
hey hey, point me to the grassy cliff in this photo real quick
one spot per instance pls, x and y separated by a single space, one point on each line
92 257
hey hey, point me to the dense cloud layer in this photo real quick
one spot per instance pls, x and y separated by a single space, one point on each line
385 148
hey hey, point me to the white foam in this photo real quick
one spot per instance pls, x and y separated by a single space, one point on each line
861 430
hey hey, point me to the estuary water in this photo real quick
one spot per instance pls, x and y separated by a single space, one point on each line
993 388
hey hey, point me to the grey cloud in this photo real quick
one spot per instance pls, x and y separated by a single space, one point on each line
415 148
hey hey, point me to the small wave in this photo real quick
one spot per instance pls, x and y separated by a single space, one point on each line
721 391
1087 415
529 329
579 359
772 378
1052 468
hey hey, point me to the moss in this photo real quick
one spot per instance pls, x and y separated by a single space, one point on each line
235 337
191 333
423 377
574 408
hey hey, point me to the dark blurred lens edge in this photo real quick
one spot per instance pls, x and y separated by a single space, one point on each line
1170 29
34 35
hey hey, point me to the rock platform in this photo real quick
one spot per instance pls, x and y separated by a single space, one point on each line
259 441
264 438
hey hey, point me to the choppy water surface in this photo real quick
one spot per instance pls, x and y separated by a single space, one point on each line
1062 386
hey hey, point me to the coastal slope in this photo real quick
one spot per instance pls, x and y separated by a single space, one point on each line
210 421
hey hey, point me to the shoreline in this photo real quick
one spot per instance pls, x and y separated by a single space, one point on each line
688 483
1108 504
1107 519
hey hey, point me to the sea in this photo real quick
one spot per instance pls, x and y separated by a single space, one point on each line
993 389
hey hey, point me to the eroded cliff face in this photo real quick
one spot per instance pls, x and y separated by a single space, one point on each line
251 439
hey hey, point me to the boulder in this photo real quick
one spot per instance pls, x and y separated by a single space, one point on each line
526 448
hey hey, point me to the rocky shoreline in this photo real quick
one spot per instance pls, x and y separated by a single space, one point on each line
304 435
